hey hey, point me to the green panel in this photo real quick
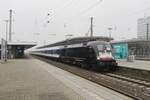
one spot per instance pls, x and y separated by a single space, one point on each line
121 51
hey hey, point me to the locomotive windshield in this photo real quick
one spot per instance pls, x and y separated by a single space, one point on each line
104 52
104 47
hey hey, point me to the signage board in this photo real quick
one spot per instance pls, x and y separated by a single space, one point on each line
121 51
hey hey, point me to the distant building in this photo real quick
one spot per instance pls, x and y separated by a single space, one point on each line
143 30
137 47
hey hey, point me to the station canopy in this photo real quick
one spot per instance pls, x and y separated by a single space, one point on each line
78 40
133 41
25 44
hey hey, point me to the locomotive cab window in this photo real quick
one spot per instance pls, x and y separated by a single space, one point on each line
108 48
100 48
91 52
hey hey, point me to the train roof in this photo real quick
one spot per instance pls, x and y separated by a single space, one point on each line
78 40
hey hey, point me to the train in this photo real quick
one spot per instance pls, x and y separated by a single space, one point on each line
91 54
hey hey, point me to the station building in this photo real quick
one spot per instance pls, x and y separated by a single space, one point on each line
140 48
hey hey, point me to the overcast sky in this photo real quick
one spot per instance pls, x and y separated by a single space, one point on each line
72 17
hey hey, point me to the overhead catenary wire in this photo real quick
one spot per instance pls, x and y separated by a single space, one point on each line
96 4
86 10
60 9
51 15
53 12
90 7
67 5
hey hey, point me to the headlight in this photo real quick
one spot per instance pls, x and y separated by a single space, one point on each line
98 58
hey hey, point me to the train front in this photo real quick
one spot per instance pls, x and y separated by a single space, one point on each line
104 58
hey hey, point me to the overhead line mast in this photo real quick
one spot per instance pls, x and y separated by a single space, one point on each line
10 24
91 27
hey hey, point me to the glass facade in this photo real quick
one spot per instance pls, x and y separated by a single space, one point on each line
140 49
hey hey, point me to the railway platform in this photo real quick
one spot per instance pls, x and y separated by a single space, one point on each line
32 79
136 64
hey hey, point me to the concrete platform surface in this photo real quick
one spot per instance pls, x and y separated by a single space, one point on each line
137 64
31 79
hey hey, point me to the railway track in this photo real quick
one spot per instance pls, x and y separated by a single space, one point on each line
136 81
137 89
